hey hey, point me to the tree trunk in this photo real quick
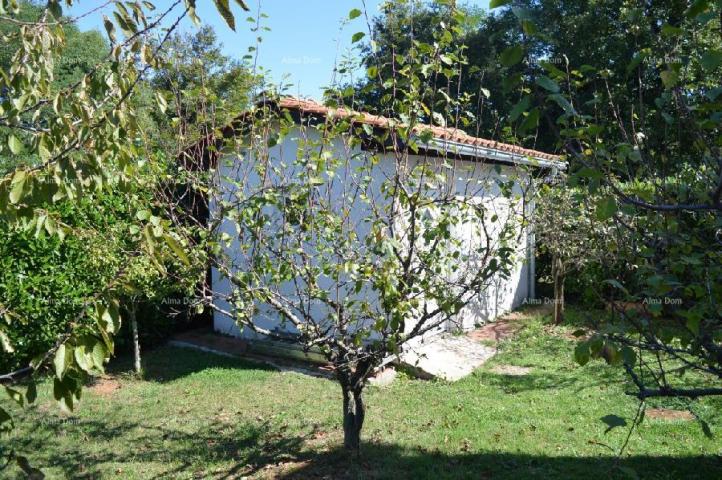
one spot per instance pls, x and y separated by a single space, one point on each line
558 274
354 412
136 341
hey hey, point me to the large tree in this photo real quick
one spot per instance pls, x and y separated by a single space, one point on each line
77 125
204 90
642 123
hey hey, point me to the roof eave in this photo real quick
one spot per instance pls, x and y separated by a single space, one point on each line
478 151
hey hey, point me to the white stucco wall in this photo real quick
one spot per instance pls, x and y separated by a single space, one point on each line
501 296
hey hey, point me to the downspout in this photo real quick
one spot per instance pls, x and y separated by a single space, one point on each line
531 254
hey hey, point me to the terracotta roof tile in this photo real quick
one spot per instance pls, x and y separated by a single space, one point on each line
451 134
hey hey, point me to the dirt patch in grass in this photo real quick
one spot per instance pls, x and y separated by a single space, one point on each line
668 414
530 312
576 335
105 386
495 332
511 370
507 325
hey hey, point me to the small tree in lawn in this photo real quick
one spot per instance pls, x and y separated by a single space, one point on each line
566 227
355 255
154 276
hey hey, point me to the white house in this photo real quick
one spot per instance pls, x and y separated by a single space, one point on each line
480 158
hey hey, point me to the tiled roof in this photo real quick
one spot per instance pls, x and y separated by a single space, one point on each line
442 133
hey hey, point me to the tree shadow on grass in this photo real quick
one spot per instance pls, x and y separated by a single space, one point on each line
548 381
215 450
531 381
228 449
167 363
380 461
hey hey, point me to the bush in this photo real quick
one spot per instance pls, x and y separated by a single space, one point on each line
44 284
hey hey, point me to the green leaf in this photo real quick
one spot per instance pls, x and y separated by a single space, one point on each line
177 248
711 60
16 186
109 28
243 5
636 60
315 180
589 172
15 395
512 55
498 3
520 108
552 69
697 7
6 421
616 284
62 360
146 54
62 392
669 78
108 318
529 27
31 393
559 99
357 36
606 208
225 11
83 358
125 23
191 5
44 149
671 31
106 338
548 84
20 102
99 355
629 356
162 103
355 13
5 343
16 146
692 323
55 9
530 122
582 353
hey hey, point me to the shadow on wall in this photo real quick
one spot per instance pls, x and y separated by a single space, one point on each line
499 297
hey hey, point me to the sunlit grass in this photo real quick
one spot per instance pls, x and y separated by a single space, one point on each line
202 416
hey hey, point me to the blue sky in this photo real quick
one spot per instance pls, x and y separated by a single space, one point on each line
302 47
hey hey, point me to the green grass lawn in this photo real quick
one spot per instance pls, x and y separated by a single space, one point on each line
198 415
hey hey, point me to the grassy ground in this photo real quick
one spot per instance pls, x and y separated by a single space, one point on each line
202 416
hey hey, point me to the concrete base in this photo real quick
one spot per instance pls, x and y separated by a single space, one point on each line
383 377
446 356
